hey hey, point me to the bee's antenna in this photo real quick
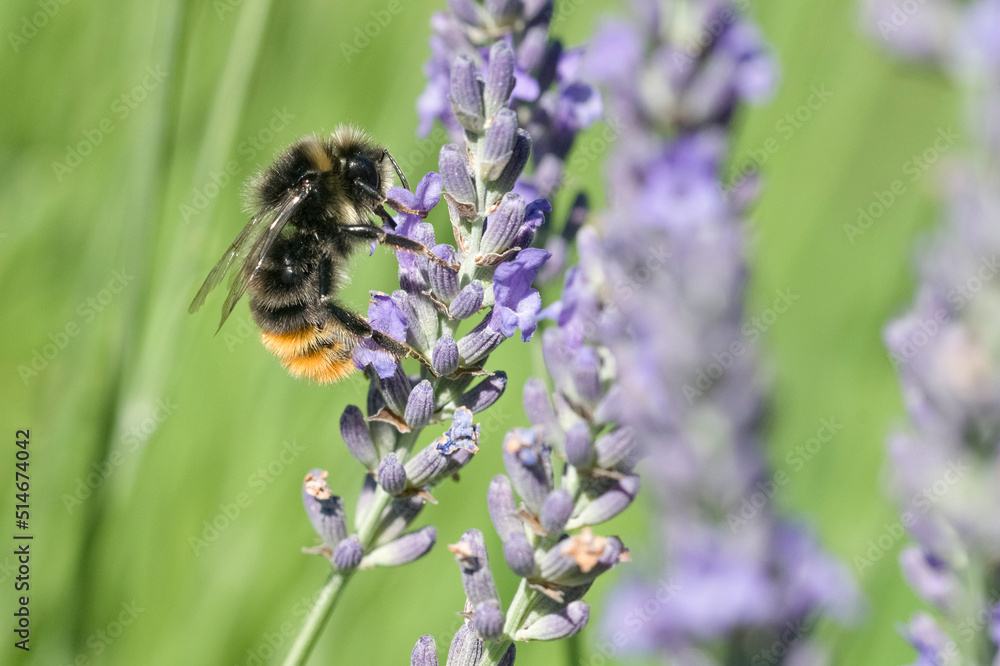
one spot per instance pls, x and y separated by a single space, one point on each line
399 172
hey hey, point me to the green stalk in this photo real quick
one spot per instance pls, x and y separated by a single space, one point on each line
318 615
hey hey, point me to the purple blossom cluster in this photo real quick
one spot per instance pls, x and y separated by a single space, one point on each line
572 470
488 270
945 462
668 257
549 99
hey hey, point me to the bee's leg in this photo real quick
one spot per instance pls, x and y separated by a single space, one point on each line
360 327
398 205
369 232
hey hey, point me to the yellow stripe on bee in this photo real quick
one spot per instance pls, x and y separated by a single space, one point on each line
324 365
317 155
317 354
292 343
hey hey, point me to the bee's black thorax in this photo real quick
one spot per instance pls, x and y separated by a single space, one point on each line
339 180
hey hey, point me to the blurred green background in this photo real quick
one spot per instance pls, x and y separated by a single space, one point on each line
119 123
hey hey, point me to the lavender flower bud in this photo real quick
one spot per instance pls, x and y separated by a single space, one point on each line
467 94
325 510
499 144
555 626
403 550
391 475
580 451
443 281
485 393
586 377
488 619
616 449
519 554
579 559
468 301
609 503
419 406
556 510
465 10
466 649
502 508
609 410
499 78
532 49
395 390
354 432
538 407
518 159
424 652
528 466
447 454
502 226
423 318
477 579
454 166
444 358
397 517
348 554
930 576
478 343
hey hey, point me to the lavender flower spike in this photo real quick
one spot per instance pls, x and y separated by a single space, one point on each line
949 373
491 282
673 100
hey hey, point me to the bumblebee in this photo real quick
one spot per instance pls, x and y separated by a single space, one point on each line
312 211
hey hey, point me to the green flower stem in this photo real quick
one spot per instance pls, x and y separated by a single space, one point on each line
330 594
318 615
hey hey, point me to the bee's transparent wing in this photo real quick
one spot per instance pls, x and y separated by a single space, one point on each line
248 250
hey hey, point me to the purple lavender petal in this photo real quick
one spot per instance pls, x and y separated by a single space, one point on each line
514 295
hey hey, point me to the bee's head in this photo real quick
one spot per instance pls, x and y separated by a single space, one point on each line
363 168
344 176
